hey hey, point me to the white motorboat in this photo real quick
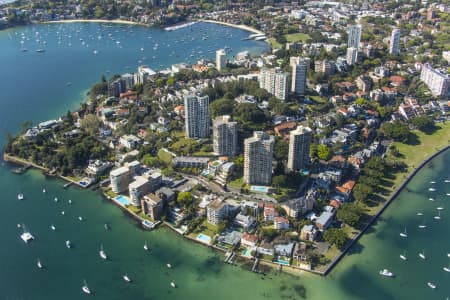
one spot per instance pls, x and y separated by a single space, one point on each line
26 236
68 244
431 199
44 191
431 285
448 254
420 214
80 218
422 226
145 246
422 255
447 180
448 194
432 182
53 227
39 264
70 201
446 269
85 288
56 199
432 189
126 278
403 256
438 217
440 208
106 226
386 272
102 253
169 266
173 284
62 212
404 233
20 196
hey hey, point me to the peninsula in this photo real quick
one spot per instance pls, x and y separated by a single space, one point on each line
283 158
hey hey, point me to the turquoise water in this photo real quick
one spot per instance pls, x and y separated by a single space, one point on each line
34 87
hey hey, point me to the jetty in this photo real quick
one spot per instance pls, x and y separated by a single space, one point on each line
255 266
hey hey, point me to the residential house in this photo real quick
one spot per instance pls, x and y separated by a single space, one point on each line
308 233
280 223
249 240
324 220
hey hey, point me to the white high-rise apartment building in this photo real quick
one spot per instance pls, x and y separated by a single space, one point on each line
352 55
299 69
196 116
299 142
394 43
221 59
224 136
258 153
274 81
437 81
354 36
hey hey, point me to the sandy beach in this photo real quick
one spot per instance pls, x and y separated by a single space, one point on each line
244 27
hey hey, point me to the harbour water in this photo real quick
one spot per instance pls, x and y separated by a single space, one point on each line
33 87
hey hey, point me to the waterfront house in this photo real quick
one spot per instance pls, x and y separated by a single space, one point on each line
97 168
284 249
152 206
244 221
308 233
249 240
324 220
120 178
265 248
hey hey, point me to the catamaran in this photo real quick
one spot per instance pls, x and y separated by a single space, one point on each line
404 233
102 253
85 288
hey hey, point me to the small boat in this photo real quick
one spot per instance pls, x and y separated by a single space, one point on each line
446 269
102 253
68 244
440 208
403 256
386 272
40 50
80 218
438 217
173 284
431 285
448 254
85 288
422 255
420 214
145 246
44 191
95 51
70 201
447 180
431 199
39 264
106 226
56 199
432 182
421 226
52 227
169 266
24 49
432 189
62 212
126 278
20 196
404 233
448 194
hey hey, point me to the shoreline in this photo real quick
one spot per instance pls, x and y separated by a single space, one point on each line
116 21
243 27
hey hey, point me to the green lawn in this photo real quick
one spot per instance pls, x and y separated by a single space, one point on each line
318 99
205 228
296 37
274 43
237 183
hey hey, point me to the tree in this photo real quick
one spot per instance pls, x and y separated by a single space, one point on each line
336 236
221 107
423 123
397 131
361 192
184 198
323 152
150 161
281 149
349 213
279 181
90 124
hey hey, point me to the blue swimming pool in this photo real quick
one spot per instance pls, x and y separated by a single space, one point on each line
282 262
258 188
122 200
204 238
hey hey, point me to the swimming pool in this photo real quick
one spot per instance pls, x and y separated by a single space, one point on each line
259 188
247 252
282 262
204 238
122 200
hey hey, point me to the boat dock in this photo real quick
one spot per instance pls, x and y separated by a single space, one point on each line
21 170
255 266
67 184
229 256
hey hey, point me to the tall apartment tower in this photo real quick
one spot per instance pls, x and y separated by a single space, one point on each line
224 136
394 43
196 116
299 69
438 81
258 153
352 55
299 141
354 36
274 81
221 59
